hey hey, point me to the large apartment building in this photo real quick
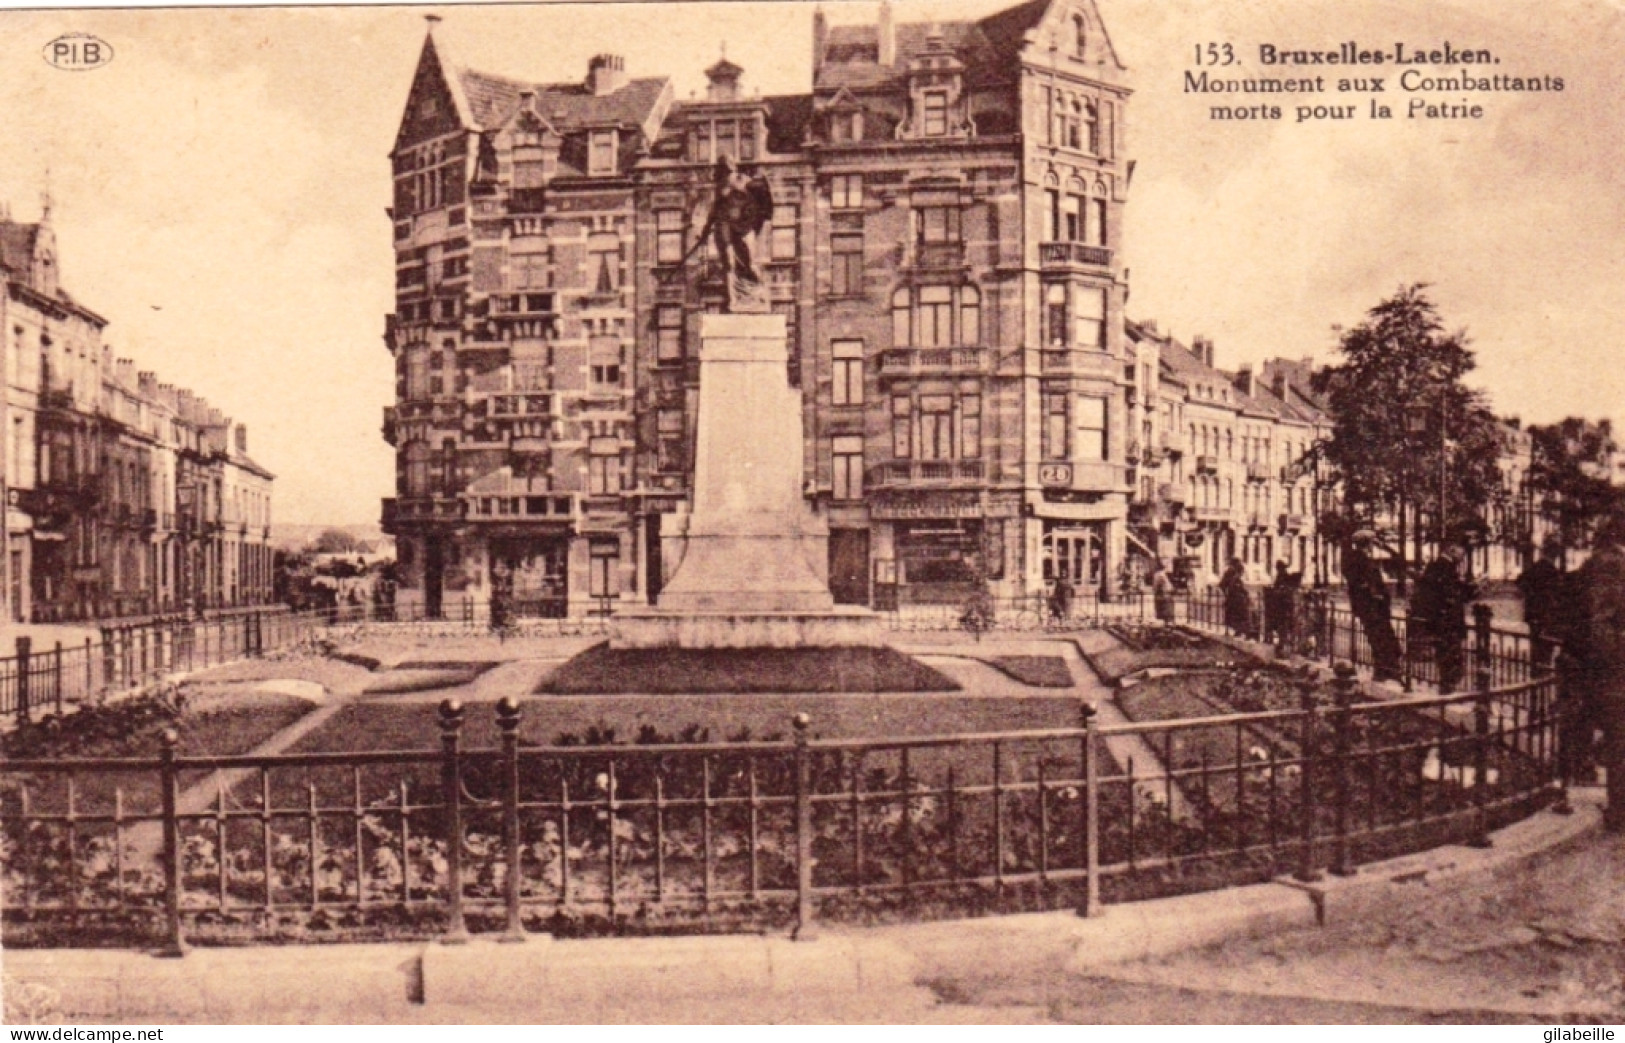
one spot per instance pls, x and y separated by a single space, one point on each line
945 248
125 496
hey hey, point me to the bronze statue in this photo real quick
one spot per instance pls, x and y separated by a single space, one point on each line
740 208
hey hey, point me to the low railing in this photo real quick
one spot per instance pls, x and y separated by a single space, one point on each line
754 835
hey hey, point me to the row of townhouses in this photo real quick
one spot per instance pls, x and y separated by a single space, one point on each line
945 246
125 496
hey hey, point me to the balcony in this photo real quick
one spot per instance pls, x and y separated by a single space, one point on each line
906 361
1071 256
149 518
1171 492
1259 472
939 256
1207 465
928 472
1210 514
421 511
1293 522
57 398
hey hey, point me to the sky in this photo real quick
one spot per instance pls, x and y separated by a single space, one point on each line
219 188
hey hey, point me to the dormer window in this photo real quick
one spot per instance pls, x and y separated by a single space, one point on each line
601 153
934 121
846 126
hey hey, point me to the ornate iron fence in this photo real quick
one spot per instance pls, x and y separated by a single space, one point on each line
756 835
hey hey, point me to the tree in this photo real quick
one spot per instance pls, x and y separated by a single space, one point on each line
336 541
1409 441
1568 476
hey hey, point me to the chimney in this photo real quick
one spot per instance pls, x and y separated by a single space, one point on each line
242 439
820 40
1244 379
1202 348
887 35
527 98
606 74
1280 385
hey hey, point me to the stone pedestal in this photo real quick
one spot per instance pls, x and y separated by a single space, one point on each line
750 556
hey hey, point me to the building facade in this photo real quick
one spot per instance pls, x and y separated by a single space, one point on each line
945 247
125 496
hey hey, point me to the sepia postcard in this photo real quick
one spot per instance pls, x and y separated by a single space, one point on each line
918 512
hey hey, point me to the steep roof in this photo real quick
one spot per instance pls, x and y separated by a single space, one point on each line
568 106
988 48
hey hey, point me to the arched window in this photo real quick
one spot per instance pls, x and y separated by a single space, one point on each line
970 315
1080 37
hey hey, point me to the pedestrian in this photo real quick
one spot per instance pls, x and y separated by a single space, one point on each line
1060 601
1368 597
1238 606
1601 593
1281 607
1440 607
1162 593
1541 585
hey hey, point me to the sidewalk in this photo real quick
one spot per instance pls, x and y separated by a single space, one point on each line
886 974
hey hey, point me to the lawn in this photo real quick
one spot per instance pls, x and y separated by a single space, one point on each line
602 670
1037 671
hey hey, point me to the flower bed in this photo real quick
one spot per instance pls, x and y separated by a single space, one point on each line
682 671
1034 670
1142 648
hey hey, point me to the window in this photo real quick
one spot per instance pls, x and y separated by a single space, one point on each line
937 224
1055 315
601 157
936 312
846 274
1072 218
605 266
603 580
1052 215
902 440
970 426
668 236
669 332
606 375
727 143
935 108
1055 426
846 126
970 315
669 440
846 192
847 454
1091 429
847 386
936 427
1089 315
701 146
1080 38
902 314
1097 221
783 244
1091 128
603 475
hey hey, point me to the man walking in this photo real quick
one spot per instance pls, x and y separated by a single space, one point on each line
1368 597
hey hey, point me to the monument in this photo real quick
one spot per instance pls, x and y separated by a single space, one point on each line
751 557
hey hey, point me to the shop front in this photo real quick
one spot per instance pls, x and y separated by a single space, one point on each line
934 549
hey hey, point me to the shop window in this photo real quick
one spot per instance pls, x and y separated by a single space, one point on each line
669 332
847 455
1091 428
783 243
669 226
846 267
1055 426
847 384
846 192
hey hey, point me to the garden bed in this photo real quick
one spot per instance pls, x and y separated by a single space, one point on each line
1036 671
602 670
1142 648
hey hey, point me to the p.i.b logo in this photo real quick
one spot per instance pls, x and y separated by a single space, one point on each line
78 52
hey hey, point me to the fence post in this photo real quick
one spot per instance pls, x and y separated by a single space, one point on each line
1091 810
1307 739
1343 689
175 939
56 677
24 716
1558 708
90 676
451 788
1482 615
508 721
1481 732
805 930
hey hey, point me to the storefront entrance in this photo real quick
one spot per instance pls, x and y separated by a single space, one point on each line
1075 554
939 561
533 575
